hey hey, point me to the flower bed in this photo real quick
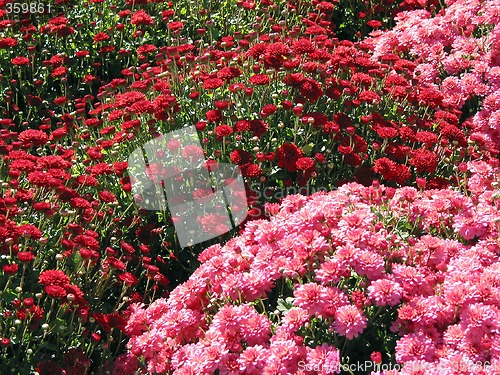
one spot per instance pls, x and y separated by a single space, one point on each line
277 89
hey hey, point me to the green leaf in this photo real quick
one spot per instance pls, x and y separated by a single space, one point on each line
8 296
285 304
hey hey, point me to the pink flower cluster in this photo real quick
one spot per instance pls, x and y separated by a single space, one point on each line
457 52
335 263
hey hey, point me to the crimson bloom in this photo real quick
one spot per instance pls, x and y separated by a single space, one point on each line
175 25
35 137
424 160
212 83
259 79
288 154
141 18
311 89
20 61
54 277
391 171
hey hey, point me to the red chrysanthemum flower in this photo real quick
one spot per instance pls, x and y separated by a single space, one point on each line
223 130
120 167
250 170
127 248
82 53
221 104
331 127
164 105
242 126
56 61
452 133
431 97
428 138
374 24
311 89
107 196
229 72
305 164
100 37
214 115
368 96
43 179
81 203
42 207
275 55
54 277
212 83
319 119
175 25
303 46
18 166
258 127
315 30
386 132
145 49
288 154
294 79
128 98
53 161
87 240
259 79
241 157
391 171
141 18
25 256
20 61
345 149
128 279
326 6
269 109
192 151
333 91
424 160
77 293
35 137
30 231
55 291
10 269
59 72
116 263
7 42
100 169
343 120
257 50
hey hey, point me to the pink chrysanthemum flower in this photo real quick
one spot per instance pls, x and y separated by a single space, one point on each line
332 271
252 360
310 297
349 322
385 292
324 359
415 346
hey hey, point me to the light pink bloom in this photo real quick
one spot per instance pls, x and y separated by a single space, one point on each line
415 346
385 292
324 360
349 322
